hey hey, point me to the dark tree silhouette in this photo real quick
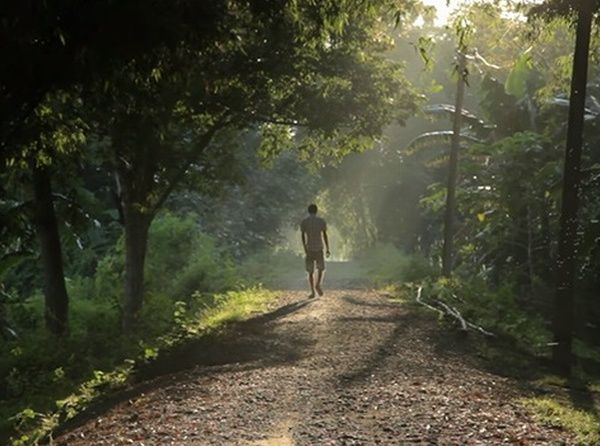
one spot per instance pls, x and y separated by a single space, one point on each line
568 239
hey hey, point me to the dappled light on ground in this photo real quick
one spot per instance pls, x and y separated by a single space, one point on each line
350 368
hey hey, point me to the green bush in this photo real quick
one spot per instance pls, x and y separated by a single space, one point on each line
496 310
170 245
182 260
38 369
109 278
207 269
386 264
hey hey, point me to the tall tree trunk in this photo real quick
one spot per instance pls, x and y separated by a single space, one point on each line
55 291
136 223
136 239
140 200
450 215
568 240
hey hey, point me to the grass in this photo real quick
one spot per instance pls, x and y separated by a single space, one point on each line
33 427
236 306
584 425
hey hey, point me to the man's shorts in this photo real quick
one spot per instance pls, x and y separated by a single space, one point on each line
313 257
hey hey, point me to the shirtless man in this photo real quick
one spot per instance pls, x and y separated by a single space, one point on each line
314 233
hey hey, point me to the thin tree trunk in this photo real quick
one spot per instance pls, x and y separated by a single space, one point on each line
55 291
136 240
450 215
568 240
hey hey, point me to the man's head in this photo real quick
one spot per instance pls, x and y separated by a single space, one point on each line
312 209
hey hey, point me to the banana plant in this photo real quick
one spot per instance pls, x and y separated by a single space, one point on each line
474 130
466 127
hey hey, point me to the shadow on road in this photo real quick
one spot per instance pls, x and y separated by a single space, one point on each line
354 301
249 344
378 357
280 312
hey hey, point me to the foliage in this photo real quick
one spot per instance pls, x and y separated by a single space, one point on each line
183 260
509 195
256 211
386 264
496 310
183 264
44 377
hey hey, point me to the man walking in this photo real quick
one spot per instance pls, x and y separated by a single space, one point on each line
314 233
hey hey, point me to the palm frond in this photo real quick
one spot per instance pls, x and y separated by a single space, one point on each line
436 139
448 111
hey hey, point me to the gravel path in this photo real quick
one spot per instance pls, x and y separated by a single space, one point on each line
349 368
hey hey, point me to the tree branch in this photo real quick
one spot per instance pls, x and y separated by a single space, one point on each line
290 122
178 175
451 311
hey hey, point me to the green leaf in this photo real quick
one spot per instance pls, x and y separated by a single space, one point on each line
11 260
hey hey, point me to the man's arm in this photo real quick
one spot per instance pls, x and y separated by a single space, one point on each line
304 241
326 240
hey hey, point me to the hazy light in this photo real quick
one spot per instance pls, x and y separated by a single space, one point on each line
443 9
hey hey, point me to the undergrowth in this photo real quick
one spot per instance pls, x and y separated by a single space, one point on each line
190 321
385 264
583 424
189 283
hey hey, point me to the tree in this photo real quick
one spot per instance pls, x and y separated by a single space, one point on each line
563 321
568 238
449 218
253 53
52 131
52 46
328 96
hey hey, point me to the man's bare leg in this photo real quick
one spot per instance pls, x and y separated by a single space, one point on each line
320 274
311 282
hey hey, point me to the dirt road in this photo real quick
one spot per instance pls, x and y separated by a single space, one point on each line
350 368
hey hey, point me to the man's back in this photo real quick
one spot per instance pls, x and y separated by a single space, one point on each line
313 226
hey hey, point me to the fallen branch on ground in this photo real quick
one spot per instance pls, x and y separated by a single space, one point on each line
425 304
450 311
454 313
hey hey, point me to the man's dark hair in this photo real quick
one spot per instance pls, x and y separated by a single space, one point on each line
312 209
